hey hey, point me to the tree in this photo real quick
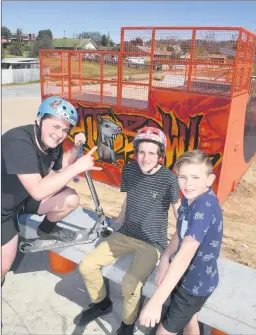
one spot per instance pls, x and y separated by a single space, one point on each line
16 48
3 52
104 41
5 32
44 42
45 32
137 41
19 34
93 35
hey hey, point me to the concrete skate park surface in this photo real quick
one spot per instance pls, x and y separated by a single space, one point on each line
37 301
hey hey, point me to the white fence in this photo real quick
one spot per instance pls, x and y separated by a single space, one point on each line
10 76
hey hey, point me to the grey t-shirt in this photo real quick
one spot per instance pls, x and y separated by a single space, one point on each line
148 201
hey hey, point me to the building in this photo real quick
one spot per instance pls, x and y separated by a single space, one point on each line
74 44
24 38
20 63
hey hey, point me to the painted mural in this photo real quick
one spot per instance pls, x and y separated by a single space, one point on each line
189 122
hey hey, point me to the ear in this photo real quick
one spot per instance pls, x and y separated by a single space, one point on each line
99 119
211 179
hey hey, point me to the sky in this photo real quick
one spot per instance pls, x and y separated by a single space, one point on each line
73 17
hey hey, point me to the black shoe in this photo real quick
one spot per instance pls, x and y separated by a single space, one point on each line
125 329
58 233
102 308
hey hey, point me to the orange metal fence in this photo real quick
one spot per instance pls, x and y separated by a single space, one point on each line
211 61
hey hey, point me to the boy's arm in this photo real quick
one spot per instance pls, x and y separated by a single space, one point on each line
175 208
172 247
121 216
151 313
176 269
165 259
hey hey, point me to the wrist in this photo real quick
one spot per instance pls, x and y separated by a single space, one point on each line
74 169
165 258
75 148
155 301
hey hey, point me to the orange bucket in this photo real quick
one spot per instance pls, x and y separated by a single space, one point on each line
217 332
60 264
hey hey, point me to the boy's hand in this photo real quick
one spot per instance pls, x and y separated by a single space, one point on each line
151 314
86 162
79 139
161 270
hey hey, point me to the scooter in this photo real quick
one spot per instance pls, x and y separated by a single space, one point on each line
101 227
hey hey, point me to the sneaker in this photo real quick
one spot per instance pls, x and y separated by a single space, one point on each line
125 329
96 310
58 233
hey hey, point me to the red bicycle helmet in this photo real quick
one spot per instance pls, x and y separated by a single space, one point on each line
151 134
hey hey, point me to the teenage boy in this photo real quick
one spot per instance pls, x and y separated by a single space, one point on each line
150 188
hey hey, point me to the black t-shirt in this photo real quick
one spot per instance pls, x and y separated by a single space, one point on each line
148 201
20 155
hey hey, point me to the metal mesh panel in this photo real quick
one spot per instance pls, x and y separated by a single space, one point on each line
216 46
216 61
110 66
170 76
109 94
131 91
137 41
91 65
172 44
90 92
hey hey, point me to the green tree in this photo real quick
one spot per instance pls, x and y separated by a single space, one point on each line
93 35
137 41
104 41
19 34
3 52
16 48
45 42
45 32
5 32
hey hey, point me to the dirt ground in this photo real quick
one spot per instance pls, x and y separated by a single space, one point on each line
239 241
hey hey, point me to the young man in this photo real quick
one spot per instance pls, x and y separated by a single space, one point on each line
35 172
192 275
150 188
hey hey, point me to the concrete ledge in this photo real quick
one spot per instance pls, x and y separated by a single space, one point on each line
231 308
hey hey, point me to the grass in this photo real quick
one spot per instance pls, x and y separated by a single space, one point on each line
91 69
25 54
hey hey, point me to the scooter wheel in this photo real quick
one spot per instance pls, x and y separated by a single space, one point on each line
106 232
24 245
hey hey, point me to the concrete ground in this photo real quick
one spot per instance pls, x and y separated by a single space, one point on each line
37 301
21 91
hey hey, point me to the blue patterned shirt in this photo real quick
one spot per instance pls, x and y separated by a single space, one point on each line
203 221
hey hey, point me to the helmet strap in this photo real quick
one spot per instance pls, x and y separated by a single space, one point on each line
38 132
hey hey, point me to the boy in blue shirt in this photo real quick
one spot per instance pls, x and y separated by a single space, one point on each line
192 275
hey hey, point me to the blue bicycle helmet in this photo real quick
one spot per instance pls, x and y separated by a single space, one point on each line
58 107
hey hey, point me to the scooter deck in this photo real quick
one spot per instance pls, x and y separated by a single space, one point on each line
36 245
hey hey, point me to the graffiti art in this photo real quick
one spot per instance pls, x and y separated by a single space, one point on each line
189 122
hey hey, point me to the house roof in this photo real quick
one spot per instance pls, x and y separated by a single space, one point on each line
20 60
72 43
